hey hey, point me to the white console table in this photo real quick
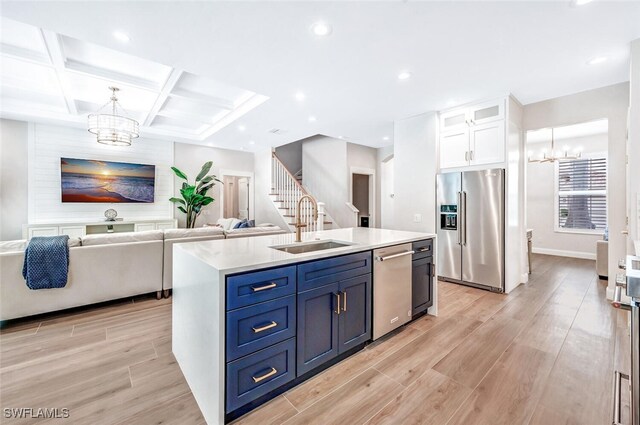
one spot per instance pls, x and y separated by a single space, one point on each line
89 228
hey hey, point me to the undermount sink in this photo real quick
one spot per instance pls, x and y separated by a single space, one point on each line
302 247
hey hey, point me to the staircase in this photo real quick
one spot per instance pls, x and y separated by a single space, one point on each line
286 190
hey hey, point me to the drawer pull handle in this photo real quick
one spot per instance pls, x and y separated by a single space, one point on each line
272 372
265 327
423 249
337 310
344 301
262 288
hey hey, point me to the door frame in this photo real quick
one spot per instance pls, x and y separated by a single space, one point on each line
371 172
236 173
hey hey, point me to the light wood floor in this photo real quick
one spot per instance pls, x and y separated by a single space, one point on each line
544 354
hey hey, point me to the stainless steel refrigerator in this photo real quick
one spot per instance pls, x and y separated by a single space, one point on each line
471 220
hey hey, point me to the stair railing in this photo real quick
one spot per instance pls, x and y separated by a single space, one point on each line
289 191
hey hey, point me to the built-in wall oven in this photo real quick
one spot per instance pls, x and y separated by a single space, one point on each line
629 281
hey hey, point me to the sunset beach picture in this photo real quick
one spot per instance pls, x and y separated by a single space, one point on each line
87 180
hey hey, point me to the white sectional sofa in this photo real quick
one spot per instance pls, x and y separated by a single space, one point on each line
106 267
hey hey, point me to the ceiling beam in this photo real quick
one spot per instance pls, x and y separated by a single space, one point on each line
169 84
96 71
56 56
25 54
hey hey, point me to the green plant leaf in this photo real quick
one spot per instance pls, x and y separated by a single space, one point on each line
177 201
185 185
205 169
179 173
182 209
187 193
207 200
203 190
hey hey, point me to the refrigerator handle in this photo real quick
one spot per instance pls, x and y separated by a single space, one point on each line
459 226
464 218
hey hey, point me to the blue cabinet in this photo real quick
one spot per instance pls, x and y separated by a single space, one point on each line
259 373
334 310
258 326
354 323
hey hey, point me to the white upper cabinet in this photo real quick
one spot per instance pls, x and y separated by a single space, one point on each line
473 135
454 148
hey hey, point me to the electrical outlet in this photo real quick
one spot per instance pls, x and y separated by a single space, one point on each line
417 218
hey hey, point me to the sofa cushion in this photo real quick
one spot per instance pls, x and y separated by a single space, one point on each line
13 246
109 238
190 233
21 245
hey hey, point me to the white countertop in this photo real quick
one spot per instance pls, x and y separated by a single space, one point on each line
255 252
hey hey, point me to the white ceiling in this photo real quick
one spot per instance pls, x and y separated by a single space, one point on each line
457 52
50 77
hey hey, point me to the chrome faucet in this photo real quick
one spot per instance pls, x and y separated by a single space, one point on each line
299 223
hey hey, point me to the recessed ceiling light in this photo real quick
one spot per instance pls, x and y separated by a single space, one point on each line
251 142
321 29
581 2
241 127
121 36
312 119
299 96
385 138
597 60
404 75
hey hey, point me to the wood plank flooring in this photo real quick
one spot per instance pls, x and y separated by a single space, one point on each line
544 354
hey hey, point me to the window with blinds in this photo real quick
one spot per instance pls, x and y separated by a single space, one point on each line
582 194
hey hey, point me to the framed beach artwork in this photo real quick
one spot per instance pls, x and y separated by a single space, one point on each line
88 180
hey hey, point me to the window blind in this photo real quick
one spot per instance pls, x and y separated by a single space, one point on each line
582 194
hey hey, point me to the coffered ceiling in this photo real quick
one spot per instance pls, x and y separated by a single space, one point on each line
345 83
50 77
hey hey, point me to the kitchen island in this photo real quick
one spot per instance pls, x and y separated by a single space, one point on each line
255 316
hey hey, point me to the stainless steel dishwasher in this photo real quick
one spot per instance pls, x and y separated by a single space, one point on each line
391 288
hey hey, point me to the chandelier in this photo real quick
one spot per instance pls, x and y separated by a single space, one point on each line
555 156
112 128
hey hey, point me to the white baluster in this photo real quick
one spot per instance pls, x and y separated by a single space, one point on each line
321 214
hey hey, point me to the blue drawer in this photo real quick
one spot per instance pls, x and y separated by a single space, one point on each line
252 288
259 373
256 327
323 272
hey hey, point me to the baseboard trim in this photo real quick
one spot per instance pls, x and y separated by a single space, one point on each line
562 253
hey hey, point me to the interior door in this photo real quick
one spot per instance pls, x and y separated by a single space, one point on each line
454 148
487 143
449 248
483 227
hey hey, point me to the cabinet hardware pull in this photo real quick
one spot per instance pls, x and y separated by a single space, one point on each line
272 372
471 155
262 288
392 256
423 249
344 301
265 327
337 310
466 156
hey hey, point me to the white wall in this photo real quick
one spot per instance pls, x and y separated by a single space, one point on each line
415 172
541 215
633 178
264 208
325 175
47 144
364 160
13 178
609 102
384 186
291 156
190 158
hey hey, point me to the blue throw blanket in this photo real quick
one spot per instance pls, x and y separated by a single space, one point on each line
46 262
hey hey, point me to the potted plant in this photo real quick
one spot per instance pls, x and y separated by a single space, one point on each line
194 196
